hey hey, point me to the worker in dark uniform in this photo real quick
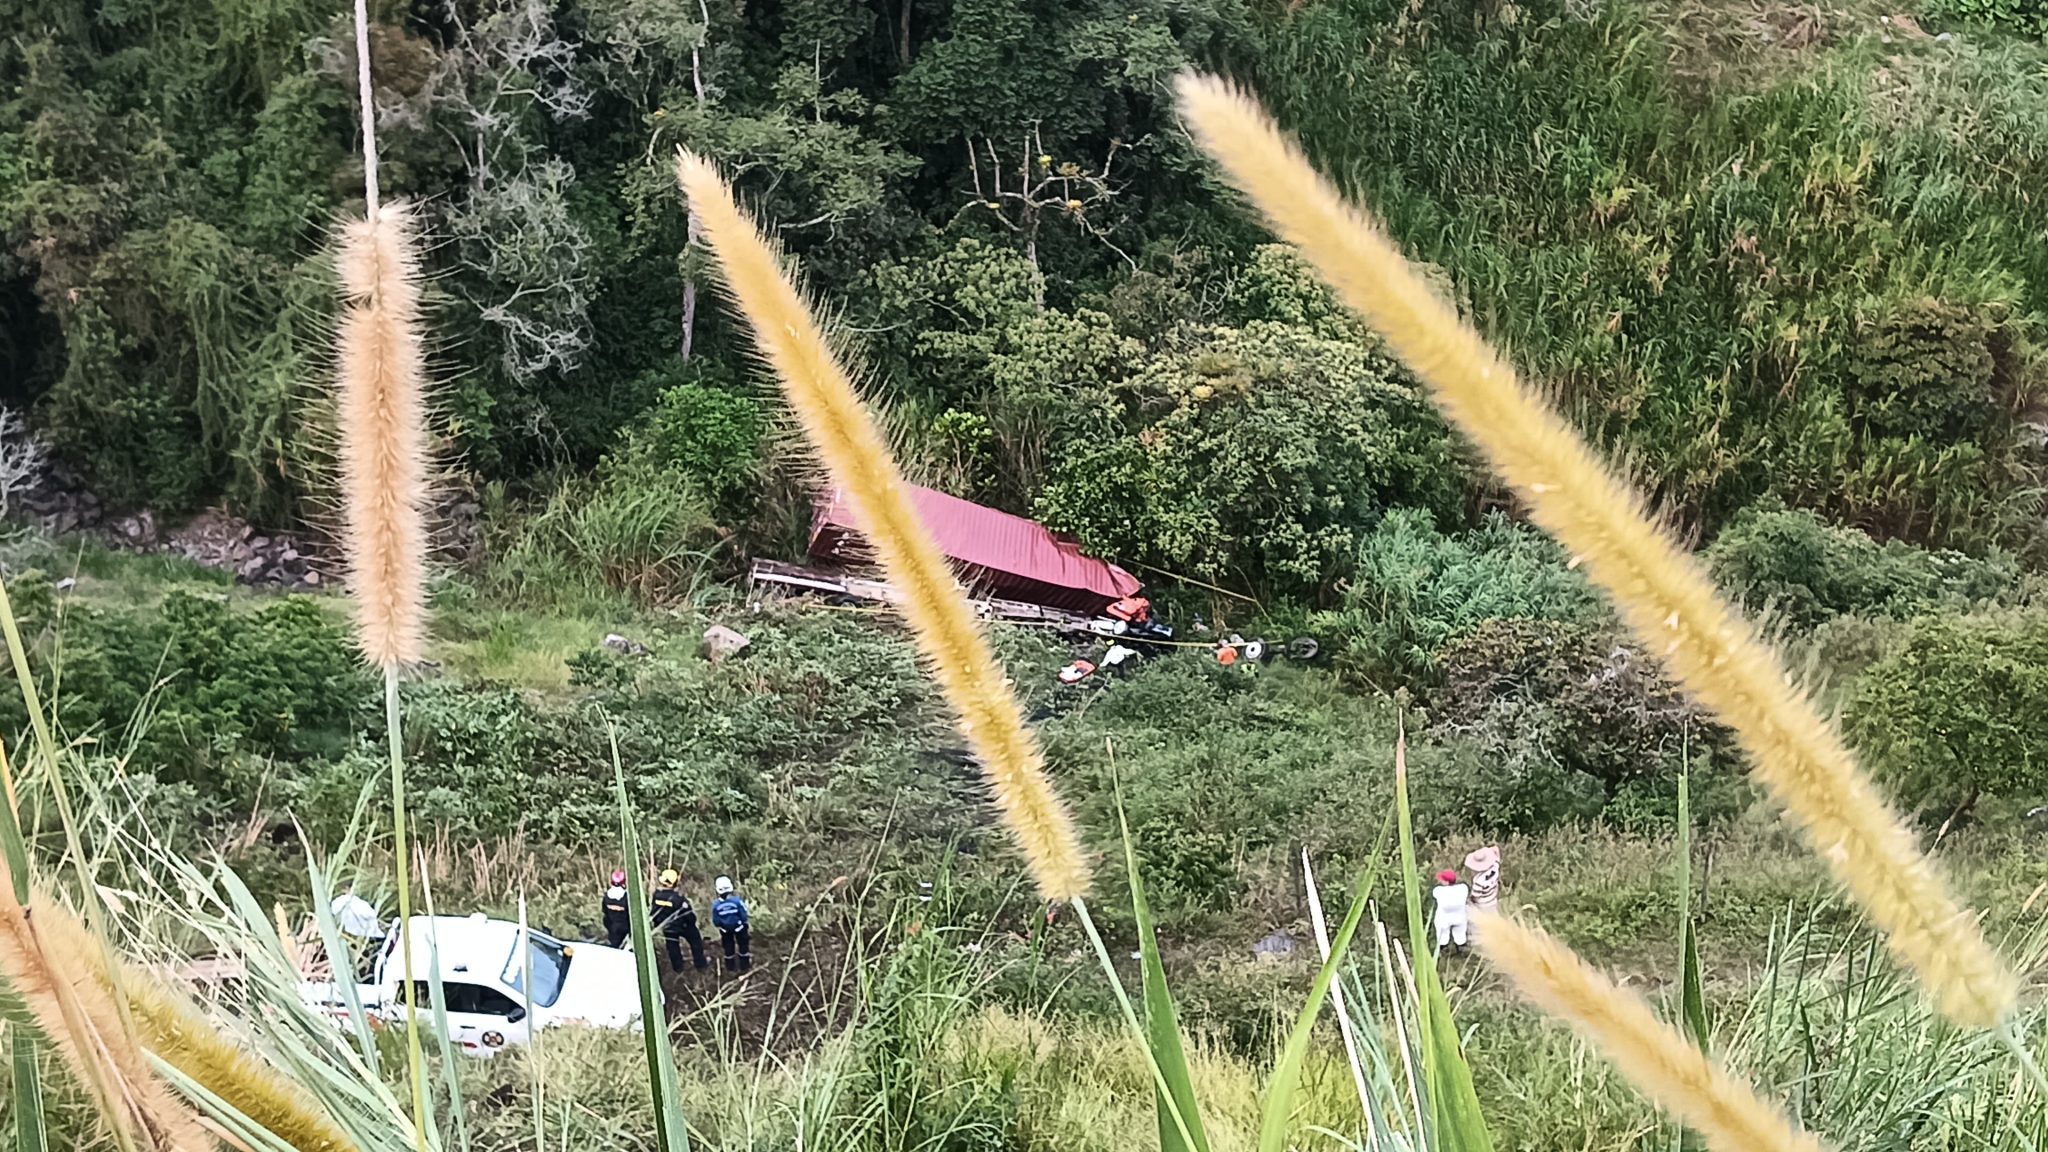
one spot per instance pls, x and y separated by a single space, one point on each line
618 919
729 914
670 912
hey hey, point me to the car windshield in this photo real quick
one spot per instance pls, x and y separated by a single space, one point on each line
549 962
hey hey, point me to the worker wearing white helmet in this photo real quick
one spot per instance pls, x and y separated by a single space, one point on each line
729 914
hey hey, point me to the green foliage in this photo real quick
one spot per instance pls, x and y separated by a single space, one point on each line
1260 455
1801 569
2025 17
1744 290
196 690
1568 717
1959 710
631 526
710 436
1416 590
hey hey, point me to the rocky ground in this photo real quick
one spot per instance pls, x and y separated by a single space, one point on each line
62 505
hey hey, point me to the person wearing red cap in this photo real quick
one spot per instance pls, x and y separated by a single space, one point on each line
1450 910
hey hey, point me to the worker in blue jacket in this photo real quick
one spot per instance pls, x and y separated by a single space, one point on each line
729 916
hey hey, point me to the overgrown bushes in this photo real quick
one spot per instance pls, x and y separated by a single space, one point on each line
196 690
1959 711
1802 570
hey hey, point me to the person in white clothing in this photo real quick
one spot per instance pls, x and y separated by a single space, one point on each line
1450 910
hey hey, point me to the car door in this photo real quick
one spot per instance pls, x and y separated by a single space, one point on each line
483 1019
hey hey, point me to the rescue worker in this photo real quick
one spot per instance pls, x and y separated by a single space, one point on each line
1450 910
618 919
670 911
729 914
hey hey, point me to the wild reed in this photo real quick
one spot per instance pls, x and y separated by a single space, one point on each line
859 463
1667 1067
169 1027
381 416
52 963
1664 596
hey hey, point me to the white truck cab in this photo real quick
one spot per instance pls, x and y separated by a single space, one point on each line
484 982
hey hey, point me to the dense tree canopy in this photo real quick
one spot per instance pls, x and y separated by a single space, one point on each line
1801 286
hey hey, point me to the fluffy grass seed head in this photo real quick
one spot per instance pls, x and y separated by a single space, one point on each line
1657 587
53 964
380 414
187 1041
858 460
1665 1066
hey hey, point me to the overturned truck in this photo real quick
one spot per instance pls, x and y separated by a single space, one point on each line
1015 569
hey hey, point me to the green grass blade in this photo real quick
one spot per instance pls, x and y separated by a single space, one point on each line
1692 996
1692 1000
532 1026
1123 999
339 955
29 1134
1453 1101
1286 1079
437 1001
671 1128
1162 1023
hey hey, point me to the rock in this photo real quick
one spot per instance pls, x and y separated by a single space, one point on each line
311 578
721 642
618 643
66 584
251 569
139 529
1274 948
290 553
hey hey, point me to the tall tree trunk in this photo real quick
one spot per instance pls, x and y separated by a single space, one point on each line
690 288
696 225
903 32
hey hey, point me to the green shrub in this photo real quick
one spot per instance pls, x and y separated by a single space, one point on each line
711 436
1259 455
1416 589
2025 17
1533 692
1800 569
202 691
1959 710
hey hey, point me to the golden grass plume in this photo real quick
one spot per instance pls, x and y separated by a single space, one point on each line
846 440
380 412
53 964
1665 1066
170 1027
1659 590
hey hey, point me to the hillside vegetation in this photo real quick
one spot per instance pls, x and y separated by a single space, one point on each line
1786 266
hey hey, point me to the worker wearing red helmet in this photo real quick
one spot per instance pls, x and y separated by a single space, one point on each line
618 919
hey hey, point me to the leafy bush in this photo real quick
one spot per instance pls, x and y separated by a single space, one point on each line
712 437
1261 454
1803 570
1534 692
196 687
1416 589
1959 710
2025 17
